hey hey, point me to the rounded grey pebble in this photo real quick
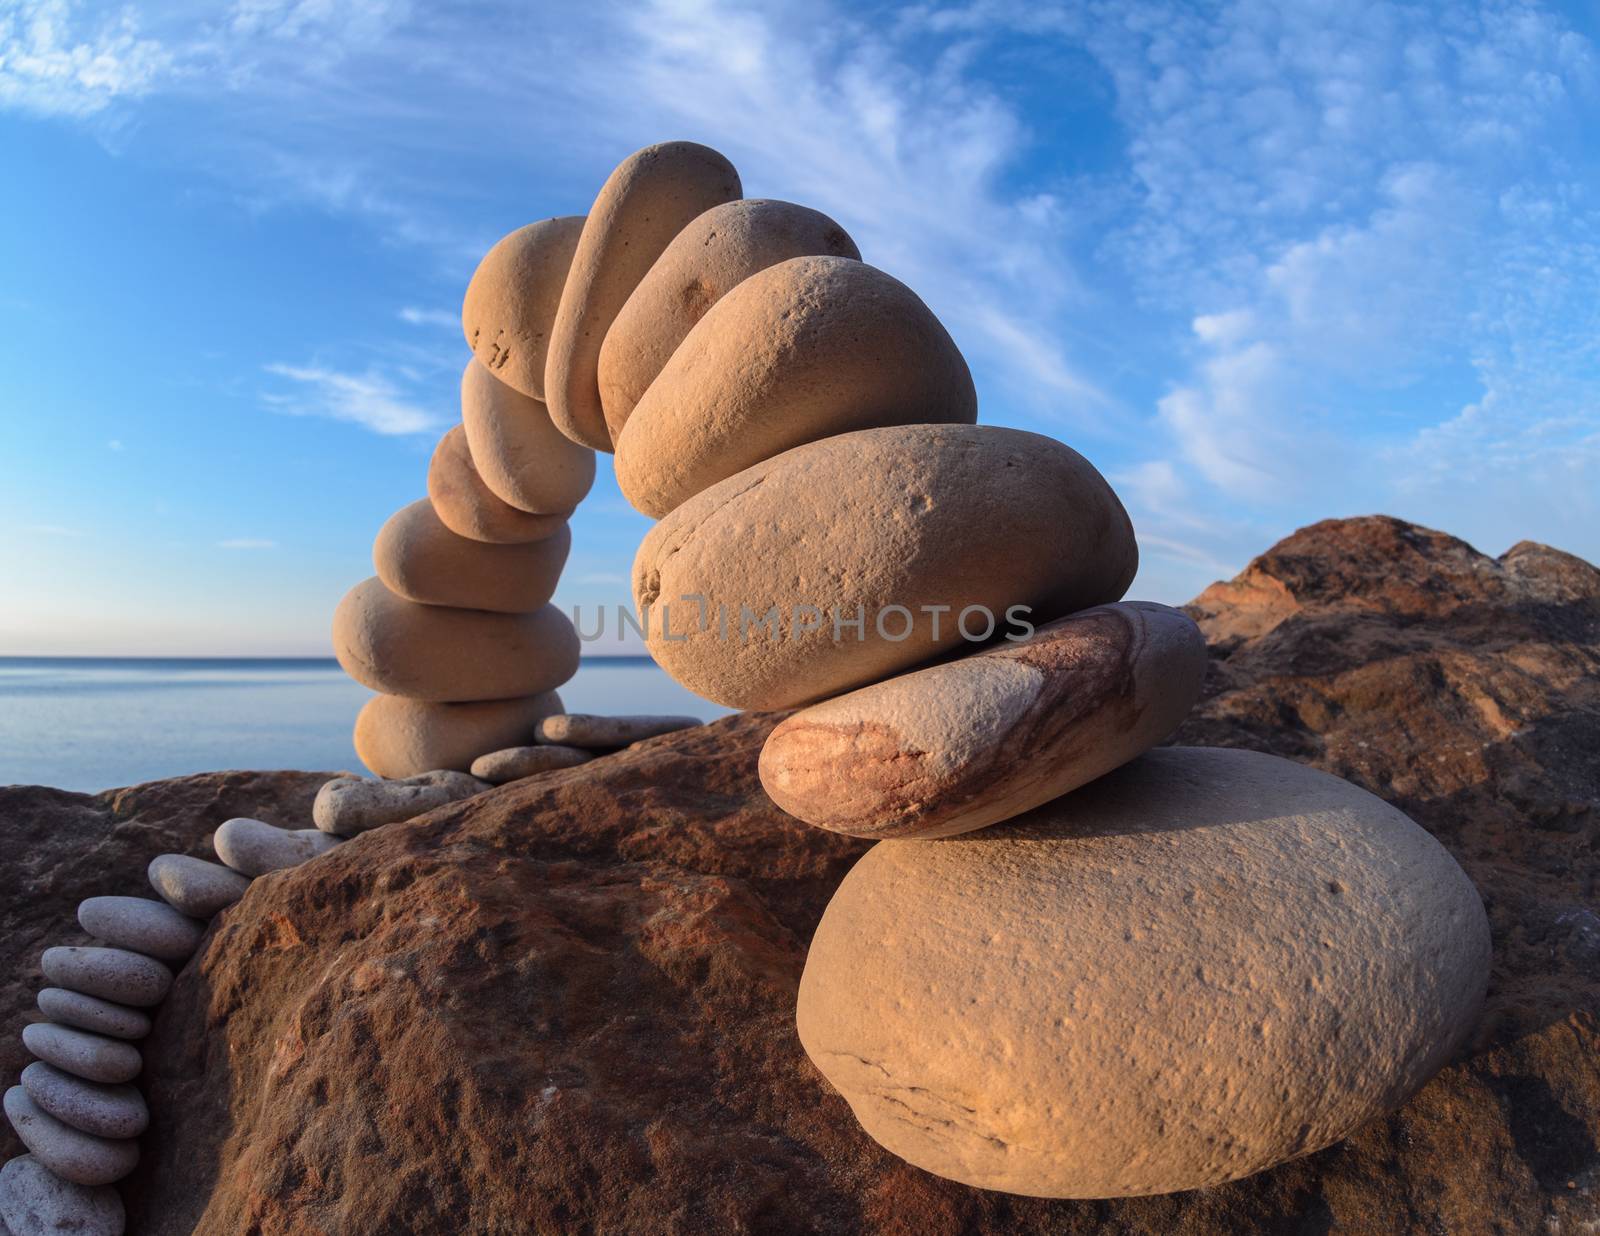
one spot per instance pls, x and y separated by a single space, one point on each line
579 729
34 1201
347 806
255 848
90 1107
83 1054
79 1157
194 886
146 926
110 973
73 1008
515 763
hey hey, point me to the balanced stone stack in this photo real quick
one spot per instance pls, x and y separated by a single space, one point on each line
76 1108
1074 966
456 631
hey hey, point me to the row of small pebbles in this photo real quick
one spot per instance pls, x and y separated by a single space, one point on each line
74 1109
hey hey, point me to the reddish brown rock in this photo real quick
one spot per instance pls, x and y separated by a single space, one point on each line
600 964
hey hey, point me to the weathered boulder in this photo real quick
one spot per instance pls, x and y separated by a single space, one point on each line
712 255
954 747
1200 966
800 351
418 558
645 202
511 302
398 737
948 531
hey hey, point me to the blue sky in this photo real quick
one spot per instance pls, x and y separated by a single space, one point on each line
1262 263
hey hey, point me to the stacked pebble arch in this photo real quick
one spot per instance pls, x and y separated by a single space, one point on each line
78 1108
1156 971
456 632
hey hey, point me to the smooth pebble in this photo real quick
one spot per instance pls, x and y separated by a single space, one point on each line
89 1056
254 847
73 1008
70 1153
90 1107
195 886
515 763
34 1201
116 974
150 927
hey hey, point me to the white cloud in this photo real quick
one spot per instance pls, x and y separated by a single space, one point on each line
54 63
246 542
369 399
442 318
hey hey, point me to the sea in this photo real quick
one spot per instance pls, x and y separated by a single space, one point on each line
96 723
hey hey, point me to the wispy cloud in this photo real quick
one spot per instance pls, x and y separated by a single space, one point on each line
371 399
53 61
247 542
441 318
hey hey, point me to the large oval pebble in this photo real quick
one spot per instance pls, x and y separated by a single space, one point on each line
418 558
803 350
34 1201
115 974
350 805
90 1107
650 197
517 451
511 302
469 508
957 746
716 252
195 886
399 738
429 652
70 1153
85 1055
1194 968
926 534
146 926
73 1008
254 847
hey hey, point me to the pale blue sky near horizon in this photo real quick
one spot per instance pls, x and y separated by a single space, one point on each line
1262 263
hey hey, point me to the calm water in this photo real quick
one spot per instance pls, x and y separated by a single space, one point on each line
96 723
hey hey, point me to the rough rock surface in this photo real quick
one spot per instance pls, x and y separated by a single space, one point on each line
62 847
595 1030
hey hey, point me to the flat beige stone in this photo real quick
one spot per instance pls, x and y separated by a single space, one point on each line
255 848
195 886
803 350
469 508
430 652
515 763
606 732
70 1153
89 1107
1198 966
913 516
518 453
420 559
73 1008
115 974
712 255
961 745
142 924
646 201
511 302
90 1056
397 737
34 1201
347 806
